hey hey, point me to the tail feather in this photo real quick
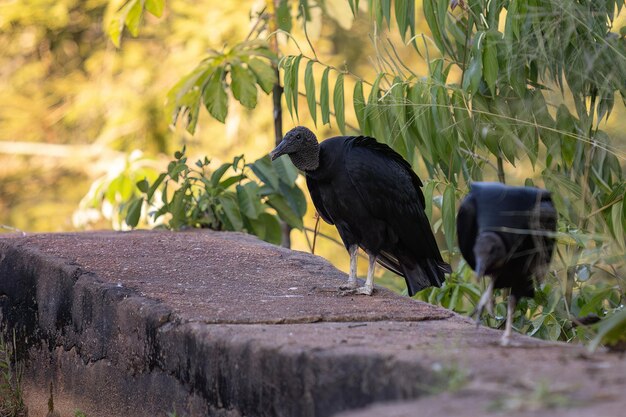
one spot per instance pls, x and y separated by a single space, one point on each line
426 273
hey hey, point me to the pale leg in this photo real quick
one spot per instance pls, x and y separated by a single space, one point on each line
369 283
485 301
510 309
351 285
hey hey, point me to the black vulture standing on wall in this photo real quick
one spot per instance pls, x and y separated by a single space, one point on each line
507 233
373 197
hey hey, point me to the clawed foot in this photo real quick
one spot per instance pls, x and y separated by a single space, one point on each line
350 286
344 290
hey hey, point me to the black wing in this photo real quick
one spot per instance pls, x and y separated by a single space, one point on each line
316 197
390 191
466 229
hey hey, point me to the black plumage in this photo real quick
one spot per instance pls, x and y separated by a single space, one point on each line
373 197
507 233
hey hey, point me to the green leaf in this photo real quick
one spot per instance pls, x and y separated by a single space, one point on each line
133 18
219 173
283 12
267 228
490 60
338 102
295 198
386 10
448 216
156 185
243 86
249 200
231 210
186 94
114 30
402 9
473 75
155 7
359 104
143 185
134 212
428 198
610 330
285 212
618 222
294 80
325 98
309 88
264 169
287 172
264 73
215 97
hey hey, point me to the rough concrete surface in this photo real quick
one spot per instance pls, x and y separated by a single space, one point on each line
222 324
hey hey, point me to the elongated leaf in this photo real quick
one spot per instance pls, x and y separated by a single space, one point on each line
294 79
264 73
267 228
283 13
219 173
230 209
359 104
243 86
215 97
490 60
134 212
186 95
324 98
618 223
264 169
295 198
338 102
155 7
155 186
249 200
287 172
285 212
309 88
428 198
402 9
133 18
386 10
448 216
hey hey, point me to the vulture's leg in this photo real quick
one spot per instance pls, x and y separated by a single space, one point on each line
510 309
369 283
485 301
351 285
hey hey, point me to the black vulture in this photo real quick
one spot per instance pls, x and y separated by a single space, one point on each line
373 197
506 233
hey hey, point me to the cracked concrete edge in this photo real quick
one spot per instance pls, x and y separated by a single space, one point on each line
114 352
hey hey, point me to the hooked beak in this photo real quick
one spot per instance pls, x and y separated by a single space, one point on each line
480 268
279 150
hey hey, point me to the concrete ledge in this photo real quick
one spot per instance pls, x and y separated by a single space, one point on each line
222 324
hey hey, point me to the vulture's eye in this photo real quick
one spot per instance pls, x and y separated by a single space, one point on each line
298 136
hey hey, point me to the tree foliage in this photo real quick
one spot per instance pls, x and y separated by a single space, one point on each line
510 84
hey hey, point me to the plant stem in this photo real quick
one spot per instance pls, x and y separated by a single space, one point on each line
277 93
501 177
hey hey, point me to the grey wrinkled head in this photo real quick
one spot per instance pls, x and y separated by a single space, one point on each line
302 147
489 252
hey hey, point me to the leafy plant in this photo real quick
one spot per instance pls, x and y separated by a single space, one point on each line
510 84
229 198
11 370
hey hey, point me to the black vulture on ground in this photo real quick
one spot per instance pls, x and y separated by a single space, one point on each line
373 197
507 233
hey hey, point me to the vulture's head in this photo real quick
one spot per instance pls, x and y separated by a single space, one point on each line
489 252
302 147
